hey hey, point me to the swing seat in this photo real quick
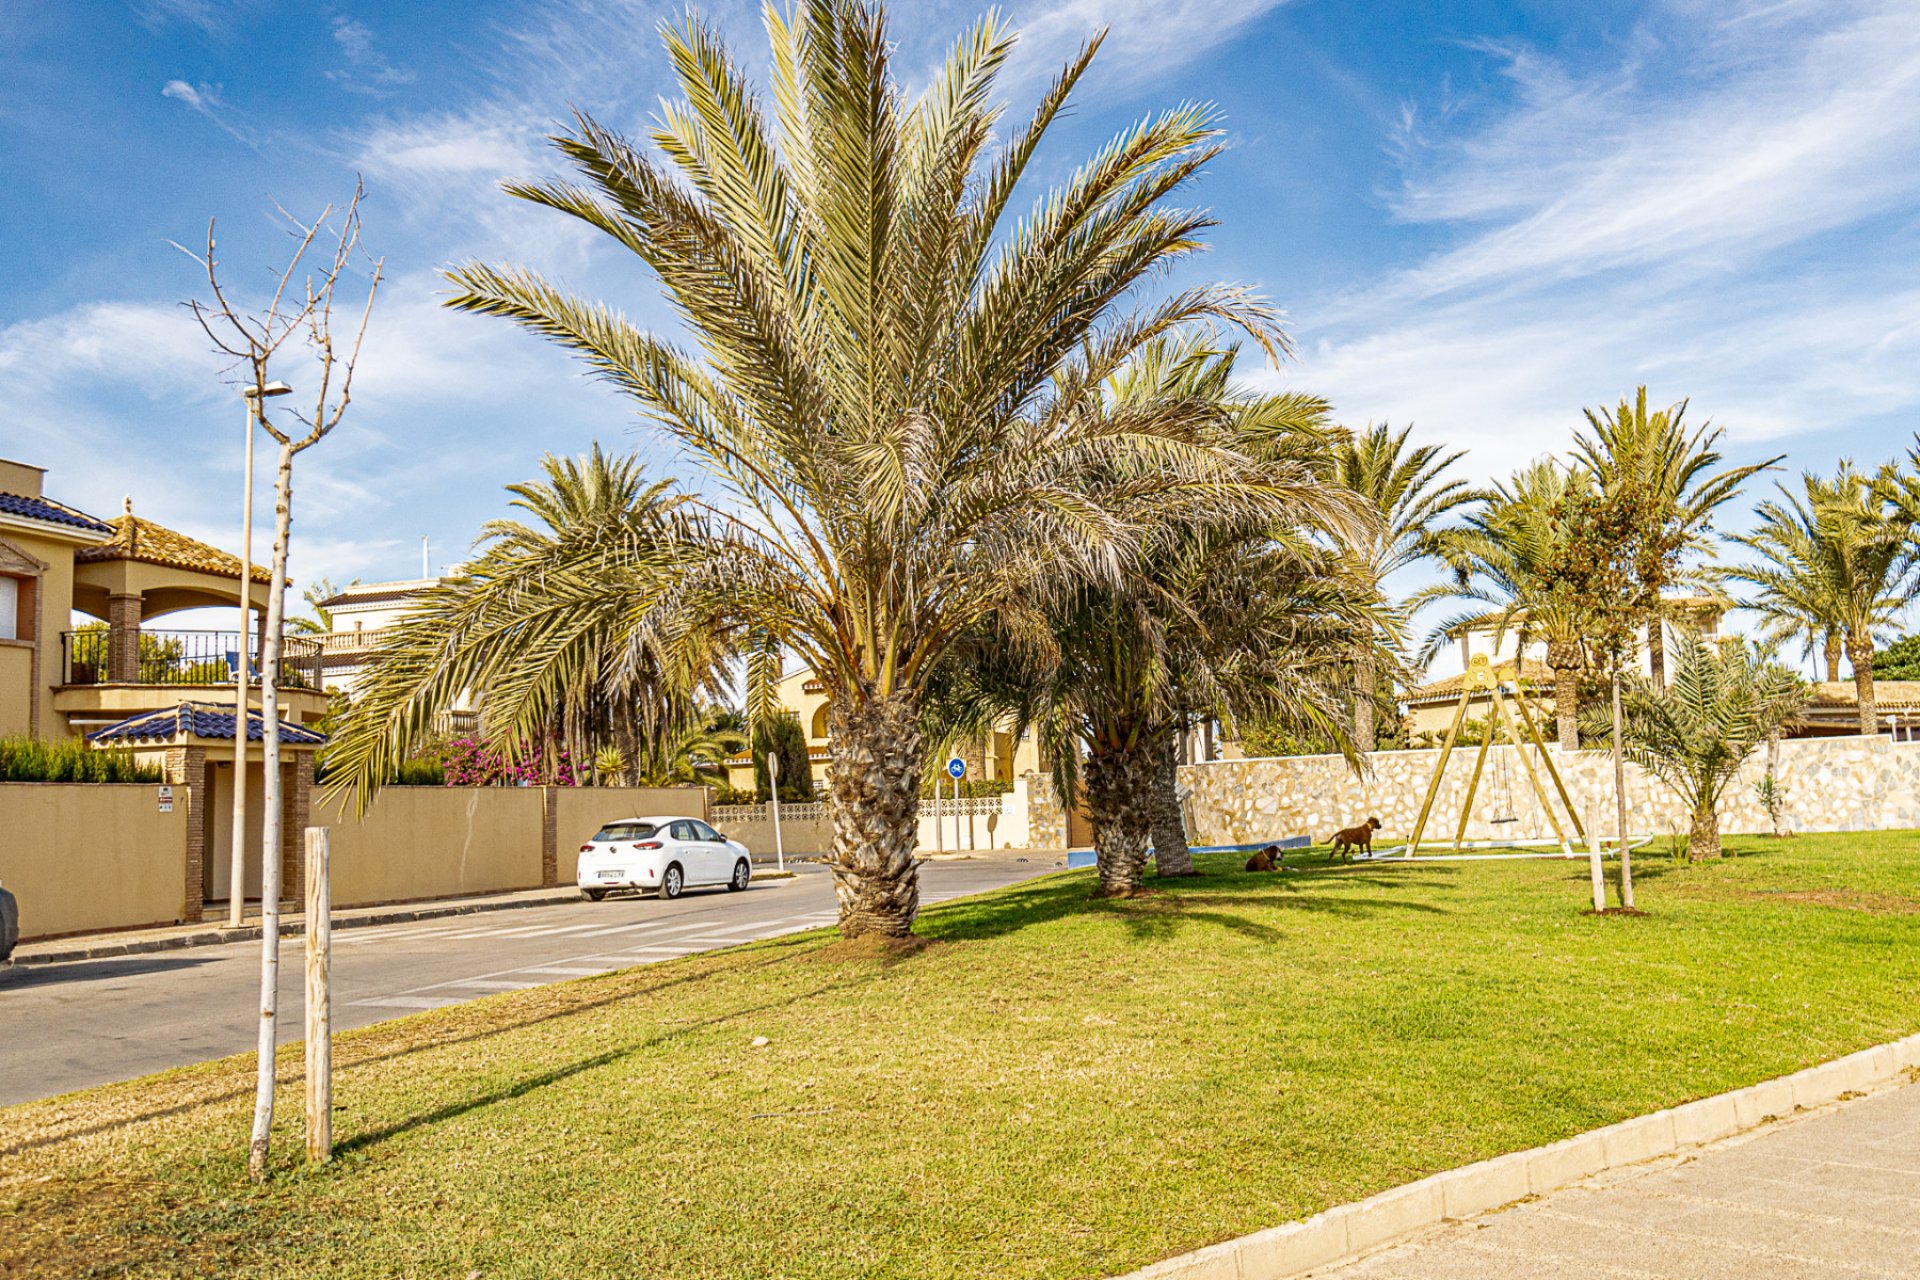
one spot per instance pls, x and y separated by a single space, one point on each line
1504 819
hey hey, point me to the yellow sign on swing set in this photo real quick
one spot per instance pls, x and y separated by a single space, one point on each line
1508 709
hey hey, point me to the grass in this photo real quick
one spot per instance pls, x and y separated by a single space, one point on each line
1057 1087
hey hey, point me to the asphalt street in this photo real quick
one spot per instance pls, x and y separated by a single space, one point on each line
86 1022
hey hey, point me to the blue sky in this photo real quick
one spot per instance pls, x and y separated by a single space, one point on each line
1479 216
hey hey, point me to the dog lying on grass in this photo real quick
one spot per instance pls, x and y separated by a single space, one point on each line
1360 837
1268 859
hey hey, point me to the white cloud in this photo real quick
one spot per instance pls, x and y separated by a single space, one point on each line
367 69
205 99
1145 38
1720 212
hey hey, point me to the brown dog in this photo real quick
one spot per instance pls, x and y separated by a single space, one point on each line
1360 837
1268 859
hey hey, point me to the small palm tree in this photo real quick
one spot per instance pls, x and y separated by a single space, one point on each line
550 626
893 374
1837 555
1408 493
316 596
1694 735
1677 482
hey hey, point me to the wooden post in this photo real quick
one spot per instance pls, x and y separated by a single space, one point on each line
1439 768
1473 785
319 995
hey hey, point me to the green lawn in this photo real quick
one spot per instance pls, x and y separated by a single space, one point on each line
1058 1087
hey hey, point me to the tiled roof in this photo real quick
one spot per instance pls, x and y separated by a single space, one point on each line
1537 674
150 543
18 504
199 720
1887 694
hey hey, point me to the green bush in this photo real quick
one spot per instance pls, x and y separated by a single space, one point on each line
726 793
29 760
970 788
423 771
782 735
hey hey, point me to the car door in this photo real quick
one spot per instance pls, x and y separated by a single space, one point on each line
695 854
722 852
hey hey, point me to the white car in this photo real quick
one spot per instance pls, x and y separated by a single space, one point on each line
664 854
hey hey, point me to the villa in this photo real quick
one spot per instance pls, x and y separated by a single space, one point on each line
165 695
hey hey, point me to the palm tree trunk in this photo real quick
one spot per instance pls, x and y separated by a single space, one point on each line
1171 857
1833 657
1657 651
1120 803
1704 843
1860 654
1566 696
875 786
1365 710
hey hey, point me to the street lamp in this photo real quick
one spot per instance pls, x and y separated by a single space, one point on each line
237 861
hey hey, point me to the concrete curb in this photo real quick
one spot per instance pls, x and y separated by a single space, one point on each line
82 950
1344 1233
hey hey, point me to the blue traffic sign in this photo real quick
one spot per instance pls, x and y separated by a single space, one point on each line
956 768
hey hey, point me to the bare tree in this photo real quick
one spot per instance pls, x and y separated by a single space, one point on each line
301 315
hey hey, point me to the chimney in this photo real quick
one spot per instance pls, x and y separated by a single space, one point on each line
21 478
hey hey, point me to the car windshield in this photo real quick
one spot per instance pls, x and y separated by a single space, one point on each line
625 831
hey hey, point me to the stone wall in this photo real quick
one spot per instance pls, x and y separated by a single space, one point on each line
1833 784
1046 816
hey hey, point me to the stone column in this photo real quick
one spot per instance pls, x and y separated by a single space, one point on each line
123 639
187 769
296 777
550 839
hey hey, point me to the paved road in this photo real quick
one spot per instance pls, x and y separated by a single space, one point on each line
1829 1195
67 1026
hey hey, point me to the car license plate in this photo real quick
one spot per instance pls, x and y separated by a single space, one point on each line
610 875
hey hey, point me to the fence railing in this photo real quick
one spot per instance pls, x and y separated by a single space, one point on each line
816 812
198 658
967 807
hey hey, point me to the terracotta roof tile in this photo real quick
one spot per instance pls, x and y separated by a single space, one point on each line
1537 674
138 539
1886 693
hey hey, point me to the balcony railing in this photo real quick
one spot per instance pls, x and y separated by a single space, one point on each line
186 658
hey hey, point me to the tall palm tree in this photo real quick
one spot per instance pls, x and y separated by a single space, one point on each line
1838 552
889 368
1507 558
551 624
1407 490
1676 476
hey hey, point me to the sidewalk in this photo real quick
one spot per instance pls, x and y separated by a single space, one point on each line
128 942
1832 1193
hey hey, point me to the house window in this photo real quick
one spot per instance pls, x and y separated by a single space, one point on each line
11 622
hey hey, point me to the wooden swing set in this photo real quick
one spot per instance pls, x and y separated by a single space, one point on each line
1509 709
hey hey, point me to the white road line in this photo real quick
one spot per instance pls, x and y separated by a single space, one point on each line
408 1002
489 984
569 971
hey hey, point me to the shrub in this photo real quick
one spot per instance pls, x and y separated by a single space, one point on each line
782 735
29 760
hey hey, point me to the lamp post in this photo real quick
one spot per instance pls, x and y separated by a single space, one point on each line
237 861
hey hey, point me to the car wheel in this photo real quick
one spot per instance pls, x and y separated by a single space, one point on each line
742 873
594 895
672 882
